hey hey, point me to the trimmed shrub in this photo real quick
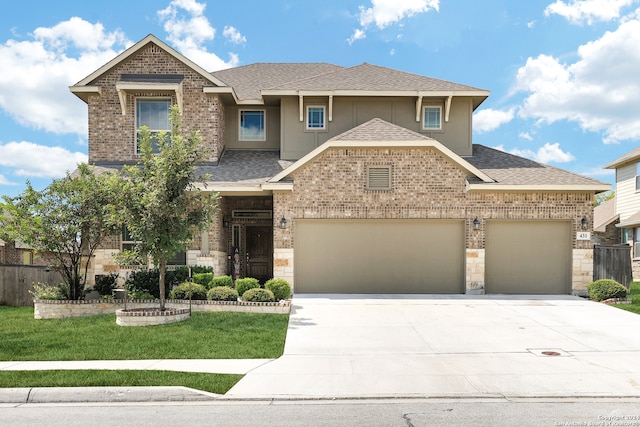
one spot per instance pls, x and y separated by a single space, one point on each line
221 281
603 289
258 295
222 293
188 290
46 291
280 288
140 295
202 278
246 283
105 283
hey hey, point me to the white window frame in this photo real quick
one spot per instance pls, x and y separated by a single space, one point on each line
241 136
424 112
308 118
638 176
153 131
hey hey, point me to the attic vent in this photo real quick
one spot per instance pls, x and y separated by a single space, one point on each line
379 178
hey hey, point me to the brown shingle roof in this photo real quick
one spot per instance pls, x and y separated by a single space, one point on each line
368 77
249 80
379 130
603 215
508 169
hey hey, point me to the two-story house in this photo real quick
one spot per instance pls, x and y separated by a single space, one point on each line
358 179
624 208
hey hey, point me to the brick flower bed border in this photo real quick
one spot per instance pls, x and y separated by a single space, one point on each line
61 309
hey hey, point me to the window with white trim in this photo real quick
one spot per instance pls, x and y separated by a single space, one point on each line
432 117
378 177
316 117
252 125
638 176
154 114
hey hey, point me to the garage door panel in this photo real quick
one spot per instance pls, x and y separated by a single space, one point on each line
528 257
379 256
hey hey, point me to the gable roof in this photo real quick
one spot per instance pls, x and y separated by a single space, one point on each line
380 133
514 172
85 84
631 156
603 215
249 80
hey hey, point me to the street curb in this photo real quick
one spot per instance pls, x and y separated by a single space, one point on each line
103 394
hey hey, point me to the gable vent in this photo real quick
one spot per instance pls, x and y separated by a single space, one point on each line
379 178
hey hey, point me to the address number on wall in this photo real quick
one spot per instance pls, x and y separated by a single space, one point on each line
583 235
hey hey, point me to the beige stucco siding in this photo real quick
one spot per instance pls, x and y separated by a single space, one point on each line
296 141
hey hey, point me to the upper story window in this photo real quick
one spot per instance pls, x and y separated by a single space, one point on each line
154 114
432 117
638 176
252 125
316 117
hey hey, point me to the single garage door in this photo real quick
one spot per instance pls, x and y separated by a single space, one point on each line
379 256
528 257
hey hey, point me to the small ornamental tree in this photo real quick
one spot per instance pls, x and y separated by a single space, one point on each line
161 206
66 222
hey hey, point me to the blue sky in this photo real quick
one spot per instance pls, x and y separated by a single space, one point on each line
563 74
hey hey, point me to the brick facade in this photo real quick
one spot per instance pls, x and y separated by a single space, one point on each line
112 136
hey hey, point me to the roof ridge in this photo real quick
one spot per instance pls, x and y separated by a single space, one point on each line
314 76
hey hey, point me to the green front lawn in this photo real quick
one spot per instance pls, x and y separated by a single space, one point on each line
634 294
218 335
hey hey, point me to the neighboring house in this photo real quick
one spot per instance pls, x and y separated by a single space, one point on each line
605 220
17 253
627 203
349 180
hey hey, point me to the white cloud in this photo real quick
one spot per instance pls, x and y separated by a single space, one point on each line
489 119
588 11
384 13
188 30
525 135
599 172
600 91
233 35
36 73
546 154
5 181
34 160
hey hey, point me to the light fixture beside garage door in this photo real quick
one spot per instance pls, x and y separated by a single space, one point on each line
476 223
584 222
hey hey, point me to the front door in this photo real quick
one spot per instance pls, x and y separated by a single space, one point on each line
259 244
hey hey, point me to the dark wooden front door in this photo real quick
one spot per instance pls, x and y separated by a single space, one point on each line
259 244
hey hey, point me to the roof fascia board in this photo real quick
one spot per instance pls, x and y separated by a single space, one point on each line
623 161
539 187
224 90
135 48
383 144
352 92
83 92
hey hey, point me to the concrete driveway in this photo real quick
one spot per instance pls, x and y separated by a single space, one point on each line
341 346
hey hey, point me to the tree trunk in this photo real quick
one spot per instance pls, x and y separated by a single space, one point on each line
161 268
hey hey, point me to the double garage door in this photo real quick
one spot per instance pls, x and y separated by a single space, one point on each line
428 256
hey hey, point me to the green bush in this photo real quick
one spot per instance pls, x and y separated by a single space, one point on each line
202 278
258 295
222 293
246 283
148 280
105 283
221 281
139 295
188 290
280 288
603 289
46 291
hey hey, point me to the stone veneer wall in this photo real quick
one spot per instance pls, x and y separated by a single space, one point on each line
425 185
59 309
112 135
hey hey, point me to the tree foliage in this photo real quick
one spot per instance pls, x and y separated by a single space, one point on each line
603 197
66 222
161 205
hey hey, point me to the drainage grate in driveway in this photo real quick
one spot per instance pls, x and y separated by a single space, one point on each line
549 352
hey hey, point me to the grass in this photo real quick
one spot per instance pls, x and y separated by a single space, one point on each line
634 294
213 383
218 335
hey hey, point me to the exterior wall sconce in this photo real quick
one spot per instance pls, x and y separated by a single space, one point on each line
476 224
225 222
584 222
283 222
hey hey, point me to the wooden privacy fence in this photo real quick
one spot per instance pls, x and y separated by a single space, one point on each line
17 280
612 262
